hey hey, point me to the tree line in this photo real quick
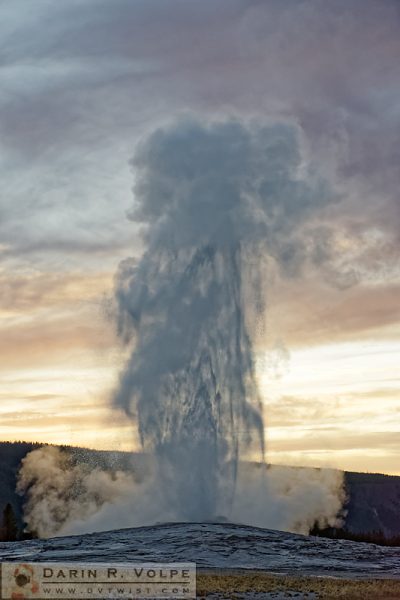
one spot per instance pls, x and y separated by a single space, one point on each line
370 537
9 530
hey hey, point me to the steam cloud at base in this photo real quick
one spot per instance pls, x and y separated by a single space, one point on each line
65 497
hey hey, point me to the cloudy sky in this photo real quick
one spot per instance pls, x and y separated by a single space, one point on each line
80 83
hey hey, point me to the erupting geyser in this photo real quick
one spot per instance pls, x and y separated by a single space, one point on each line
192 371
220 205
214 202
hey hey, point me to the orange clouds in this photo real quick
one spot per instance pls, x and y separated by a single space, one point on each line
33 290
59 360
50 318
309 312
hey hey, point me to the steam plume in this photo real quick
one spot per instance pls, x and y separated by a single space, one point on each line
65 495
217 204
213 200
61 491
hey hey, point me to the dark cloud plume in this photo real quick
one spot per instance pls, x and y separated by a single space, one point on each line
213 201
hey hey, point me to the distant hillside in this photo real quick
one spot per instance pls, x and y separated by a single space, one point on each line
374 503
373 499
11 454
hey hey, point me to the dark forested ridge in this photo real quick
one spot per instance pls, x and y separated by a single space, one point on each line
373 499
11 454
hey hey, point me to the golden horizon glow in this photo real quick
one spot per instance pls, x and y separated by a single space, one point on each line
327 371
332 405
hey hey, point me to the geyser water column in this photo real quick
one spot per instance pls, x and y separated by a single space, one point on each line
213 199
191 373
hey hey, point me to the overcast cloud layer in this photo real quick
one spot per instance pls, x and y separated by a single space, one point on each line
82 81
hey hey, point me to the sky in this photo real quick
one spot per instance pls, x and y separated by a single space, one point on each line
81 82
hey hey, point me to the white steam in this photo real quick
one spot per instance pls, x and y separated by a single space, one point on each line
59 491
68 498
217 204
